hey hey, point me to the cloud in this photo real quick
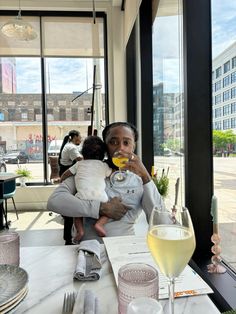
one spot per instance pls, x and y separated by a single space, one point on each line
67 75
223 25
28 75
63 75
166 53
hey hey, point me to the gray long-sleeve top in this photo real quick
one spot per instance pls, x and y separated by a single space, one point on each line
134 193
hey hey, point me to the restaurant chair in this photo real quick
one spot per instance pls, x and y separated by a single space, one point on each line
9 191
53 162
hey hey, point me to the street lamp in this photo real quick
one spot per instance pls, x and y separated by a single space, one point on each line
94 87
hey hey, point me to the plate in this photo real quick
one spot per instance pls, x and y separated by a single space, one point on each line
13 280
14 302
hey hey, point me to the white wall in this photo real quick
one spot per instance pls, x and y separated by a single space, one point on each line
31 198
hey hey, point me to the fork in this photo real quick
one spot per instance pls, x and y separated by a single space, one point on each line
68 303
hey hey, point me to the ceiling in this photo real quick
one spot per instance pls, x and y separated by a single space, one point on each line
83 4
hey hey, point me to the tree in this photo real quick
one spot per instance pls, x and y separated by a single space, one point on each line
222 140
172 144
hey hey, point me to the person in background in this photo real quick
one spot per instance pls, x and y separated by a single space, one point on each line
90 174
69 154
137 192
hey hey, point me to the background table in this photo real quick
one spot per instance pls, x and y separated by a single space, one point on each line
51 270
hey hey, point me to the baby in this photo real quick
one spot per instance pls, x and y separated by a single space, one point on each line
90 174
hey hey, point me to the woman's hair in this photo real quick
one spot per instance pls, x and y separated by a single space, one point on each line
68 138
93 148
110 126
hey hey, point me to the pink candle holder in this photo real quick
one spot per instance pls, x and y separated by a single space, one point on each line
216 266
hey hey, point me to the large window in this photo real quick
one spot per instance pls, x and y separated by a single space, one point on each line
40 80
198 123
168 97
223 49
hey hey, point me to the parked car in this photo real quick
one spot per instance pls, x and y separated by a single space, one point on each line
54 148
167 152
3 167
16 158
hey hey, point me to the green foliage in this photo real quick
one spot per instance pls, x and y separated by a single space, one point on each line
162 183
221 139
24 172
173 144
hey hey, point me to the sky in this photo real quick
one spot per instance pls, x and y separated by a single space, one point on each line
68 75
63 75
223 25
167 68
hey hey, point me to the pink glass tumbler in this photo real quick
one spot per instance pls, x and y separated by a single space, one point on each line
136 280
9 248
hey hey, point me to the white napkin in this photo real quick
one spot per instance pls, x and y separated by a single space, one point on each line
86 302
88 265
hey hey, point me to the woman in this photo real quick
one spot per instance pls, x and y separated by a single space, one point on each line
126 198
69 154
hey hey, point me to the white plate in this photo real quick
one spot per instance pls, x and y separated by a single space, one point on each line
13 280
14 302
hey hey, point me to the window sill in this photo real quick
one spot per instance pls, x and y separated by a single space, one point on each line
223 285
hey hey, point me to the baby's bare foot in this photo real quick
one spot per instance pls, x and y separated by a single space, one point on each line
78 237
100 230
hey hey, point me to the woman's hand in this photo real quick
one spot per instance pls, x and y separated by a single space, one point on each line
113 209
135 165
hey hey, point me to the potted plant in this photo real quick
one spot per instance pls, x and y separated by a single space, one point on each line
161 182
25 174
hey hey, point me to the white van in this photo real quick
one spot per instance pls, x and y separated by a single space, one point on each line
54 148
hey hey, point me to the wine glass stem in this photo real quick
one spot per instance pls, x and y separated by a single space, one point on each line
171 287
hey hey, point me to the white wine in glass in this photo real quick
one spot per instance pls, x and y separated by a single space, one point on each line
119 161
171 241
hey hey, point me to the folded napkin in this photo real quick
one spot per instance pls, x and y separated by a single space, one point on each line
88 265
86 303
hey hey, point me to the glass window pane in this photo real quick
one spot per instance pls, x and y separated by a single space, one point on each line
224 128
69 90
73 48
168 96
21 132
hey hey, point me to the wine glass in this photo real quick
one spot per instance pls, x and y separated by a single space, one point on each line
171 241
119 161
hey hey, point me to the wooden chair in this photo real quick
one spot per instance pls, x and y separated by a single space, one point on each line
53 162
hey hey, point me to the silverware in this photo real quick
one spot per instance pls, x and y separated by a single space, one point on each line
69 301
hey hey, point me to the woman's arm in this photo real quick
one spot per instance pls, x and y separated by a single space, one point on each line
66 175
151 197
63 201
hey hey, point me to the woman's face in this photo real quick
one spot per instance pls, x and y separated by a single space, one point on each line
120 139
76 140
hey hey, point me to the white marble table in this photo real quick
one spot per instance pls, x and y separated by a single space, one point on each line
50 272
